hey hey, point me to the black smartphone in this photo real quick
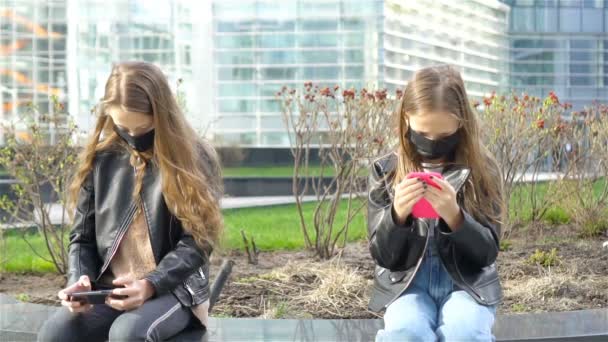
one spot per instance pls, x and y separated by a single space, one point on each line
93 297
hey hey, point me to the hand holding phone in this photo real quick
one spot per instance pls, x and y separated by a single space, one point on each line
422 208
83 284
93 297
407 192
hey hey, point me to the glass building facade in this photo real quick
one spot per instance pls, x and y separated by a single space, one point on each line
41 57
560 46
102 32
261 45
472 35
33 55
234 55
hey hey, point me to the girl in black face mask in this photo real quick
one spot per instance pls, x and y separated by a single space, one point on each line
146 197
139 143
436 278
436 148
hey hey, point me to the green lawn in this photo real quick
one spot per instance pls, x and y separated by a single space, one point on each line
521 198
19 255
278 227
273 228
275 171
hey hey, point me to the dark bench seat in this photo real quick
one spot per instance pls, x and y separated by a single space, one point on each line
21 321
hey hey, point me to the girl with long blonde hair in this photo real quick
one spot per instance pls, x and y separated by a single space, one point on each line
435 270
147 216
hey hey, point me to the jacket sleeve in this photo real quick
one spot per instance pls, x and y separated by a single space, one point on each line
177 265
187 257
477 240
83 258
388 240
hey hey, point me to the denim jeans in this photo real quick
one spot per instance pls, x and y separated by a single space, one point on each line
434 309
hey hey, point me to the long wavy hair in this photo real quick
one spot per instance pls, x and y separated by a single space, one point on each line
188 165
441 88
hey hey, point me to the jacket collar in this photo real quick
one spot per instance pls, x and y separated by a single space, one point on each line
455 174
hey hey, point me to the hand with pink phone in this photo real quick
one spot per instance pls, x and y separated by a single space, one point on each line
409 197
422 208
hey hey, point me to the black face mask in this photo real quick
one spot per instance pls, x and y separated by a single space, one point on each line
433 149
139 143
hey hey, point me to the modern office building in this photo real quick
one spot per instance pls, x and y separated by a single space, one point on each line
234 55
261 45
67 47
560 46
103 32
472 35
33 55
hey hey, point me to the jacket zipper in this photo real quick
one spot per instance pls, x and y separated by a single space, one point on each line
121 234
171 230
189 290
426 243
145 213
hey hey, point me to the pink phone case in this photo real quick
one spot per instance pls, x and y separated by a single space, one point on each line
422 208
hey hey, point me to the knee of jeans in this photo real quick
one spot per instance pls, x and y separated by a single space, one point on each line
126 327
58 328
410 332
465 333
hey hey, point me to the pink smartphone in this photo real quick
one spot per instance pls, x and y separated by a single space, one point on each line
422 208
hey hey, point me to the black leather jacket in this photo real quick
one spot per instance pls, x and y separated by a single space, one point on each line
105 209
468 254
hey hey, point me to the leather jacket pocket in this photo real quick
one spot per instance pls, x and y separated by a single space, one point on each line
486 284
390 281
491 292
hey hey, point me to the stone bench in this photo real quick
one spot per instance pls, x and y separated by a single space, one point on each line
21 322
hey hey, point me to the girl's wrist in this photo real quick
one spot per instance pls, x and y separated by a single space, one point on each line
455 221
148 289
396 218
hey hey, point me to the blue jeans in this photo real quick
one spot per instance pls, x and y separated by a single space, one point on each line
433 308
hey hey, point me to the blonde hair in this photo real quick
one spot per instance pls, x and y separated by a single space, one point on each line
189 167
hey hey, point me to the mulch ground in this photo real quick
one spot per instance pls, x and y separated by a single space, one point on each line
294 284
